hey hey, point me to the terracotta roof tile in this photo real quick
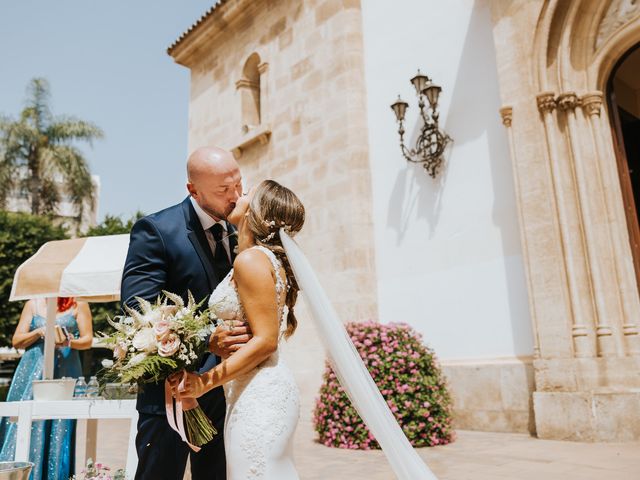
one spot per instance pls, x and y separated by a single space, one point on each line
193 27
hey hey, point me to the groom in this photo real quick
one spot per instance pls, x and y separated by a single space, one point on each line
186 247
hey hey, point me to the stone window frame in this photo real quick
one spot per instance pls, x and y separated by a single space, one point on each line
252 89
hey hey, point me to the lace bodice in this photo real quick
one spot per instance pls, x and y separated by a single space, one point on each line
225 303
262 405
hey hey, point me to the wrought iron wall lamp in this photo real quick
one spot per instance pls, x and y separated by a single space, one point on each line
432 141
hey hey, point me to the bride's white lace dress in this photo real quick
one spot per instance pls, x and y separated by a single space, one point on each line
263 405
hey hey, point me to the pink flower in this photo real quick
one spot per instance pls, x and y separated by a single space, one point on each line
120 351
162 330
169 345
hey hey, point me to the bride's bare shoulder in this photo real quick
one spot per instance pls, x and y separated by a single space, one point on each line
251 262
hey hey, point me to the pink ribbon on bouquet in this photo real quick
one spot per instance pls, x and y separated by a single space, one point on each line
176 419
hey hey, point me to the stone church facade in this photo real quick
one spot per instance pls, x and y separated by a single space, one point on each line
291 88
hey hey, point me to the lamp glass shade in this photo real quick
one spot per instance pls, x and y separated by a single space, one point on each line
432 92
419 82
399 108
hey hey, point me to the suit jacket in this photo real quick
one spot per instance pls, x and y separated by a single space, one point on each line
168 250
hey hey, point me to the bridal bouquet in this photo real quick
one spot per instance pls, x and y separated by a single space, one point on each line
159 340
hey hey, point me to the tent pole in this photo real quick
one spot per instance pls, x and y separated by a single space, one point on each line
50 338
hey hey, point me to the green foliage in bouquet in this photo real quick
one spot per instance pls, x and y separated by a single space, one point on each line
409 378
21 235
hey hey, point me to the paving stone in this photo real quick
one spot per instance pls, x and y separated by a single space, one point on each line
473 456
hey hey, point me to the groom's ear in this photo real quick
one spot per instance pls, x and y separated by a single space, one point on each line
192 190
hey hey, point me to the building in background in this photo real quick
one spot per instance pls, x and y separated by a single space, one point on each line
66 213
519 262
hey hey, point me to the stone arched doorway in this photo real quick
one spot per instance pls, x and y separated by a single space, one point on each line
623 101
583 289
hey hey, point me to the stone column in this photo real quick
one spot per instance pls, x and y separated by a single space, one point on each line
581 332
592 106
606 345
507 114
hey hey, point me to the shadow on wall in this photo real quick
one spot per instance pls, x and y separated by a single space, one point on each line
415 192
465 123
473 113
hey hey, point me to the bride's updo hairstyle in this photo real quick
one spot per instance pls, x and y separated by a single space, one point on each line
273 207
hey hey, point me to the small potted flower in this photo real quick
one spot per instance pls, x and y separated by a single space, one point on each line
99 471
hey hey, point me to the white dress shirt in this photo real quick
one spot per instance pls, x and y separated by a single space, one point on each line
207 222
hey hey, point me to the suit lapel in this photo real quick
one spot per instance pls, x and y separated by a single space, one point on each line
199 241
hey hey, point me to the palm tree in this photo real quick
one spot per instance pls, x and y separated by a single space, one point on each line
38 158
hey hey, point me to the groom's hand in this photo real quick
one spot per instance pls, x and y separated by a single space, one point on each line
224 341
187 384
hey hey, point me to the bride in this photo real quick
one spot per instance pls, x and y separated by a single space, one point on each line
261 394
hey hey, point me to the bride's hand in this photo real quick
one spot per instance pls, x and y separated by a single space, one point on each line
188 384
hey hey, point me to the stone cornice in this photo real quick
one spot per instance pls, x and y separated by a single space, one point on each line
218 19
243 83
259 134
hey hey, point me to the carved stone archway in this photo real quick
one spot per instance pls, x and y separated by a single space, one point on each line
582 285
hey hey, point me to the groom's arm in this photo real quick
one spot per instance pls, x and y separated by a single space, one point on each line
145 270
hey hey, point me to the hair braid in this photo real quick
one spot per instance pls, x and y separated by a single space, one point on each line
272 207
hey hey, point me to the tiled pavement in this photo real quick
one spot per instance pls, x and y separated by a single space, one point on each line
473 456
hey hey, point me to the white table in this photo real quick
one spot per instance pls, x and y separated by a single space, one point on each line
91 410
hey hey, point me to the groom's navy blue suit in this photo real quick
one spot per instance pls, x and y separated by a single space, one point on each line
169 251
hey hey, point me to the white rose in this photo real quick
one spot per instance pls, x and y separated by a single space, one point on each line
145 340
152 317
106 363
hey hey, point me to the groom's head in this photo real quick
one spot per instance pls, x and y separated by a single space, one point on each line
214 180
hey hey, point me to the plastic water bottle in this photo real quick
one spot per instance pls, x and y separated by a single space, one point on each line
93 387
80 390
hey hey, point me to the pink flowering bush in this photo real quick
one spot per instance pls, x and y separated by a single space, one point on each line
409 378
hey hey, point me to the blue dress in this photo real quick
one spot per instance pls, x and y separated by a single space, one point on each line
52 441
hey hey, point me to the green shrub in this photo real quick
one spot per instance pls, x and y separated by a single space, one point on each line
409 378
21 235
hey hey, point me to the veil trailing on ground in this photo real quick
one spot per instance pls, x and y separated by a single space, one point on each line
352 373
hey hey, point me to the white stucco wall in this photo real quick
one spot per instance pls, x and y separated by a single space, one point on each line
447 250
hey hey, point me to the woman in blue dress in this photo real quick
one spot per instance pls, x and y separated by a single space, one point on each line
52 441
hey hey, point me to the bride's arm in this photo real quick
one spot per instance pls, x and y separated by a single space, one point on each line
252 272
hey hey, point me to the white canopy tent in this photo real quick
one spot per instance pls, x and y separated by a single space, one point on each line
88 269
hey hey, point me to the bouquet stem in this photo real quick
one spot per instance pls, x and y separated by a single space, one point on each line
200 430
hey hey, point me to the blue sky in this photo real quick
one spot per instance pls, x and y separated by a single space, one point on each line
106 62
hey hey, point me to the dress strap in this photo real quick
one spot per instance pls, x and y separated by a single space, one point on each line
280 286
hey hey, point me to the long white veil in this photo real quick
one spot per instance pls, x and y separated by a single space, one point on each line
352 373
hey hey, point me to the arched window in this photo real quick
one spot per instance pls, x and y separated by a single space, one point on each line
249 88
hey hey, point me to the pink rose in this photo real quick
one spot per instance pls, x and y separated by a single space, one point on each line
162 330
120 351
169 345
